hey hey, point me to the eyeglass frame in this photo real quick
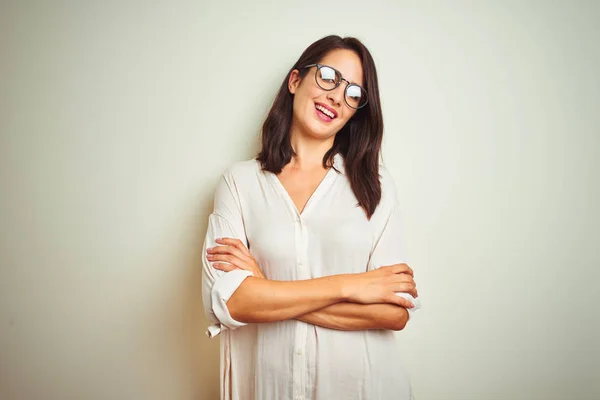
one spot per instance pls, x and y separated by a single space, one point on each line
348 83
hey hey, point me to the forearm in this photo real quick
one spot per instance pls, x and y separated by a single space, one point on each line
354 317
264 300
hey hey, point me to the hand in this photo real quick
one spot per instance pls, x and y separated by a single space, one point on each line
236 254
381 285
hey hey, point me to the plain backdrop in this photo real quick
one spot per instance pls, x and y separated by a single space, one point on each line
117 119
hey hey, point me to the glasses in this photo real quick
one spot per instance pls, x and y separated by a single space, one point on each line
329 78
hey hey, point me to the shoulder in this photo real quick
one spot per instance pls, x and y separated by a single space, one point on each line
227 198
241 177
241 170
243 167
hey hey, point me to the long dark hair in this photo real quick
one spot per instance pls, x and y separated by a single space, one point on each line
359 141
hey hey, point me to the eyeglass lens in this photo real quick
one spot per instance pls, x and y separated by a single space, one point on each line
328 79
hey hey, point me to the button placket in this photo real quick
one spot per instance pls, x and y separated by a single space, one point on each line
301 248
301 328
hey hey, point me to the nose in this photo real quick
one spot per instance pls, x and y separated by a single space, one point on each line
337 95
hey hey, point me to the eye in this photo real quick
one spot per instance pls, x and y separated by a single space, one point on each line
328 74
354 92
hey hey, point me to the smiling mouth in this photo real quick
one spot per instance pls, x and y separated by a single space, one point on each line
324 113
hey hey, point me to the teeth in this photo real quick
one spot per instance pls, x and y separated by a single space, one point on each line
325 111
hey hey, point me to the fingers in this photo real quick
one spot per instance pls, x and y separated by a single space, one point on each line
237 243
402 278
234 251
231 259
406 288
401 301
397 269
402 269
224 267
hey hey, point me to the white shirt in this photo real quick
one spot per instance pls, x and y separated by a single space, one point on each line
292 359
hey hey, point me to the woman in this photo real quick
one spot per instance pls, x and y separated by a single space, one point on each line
304 276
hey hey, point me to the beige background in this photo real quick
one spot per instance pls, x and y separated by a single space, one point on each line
117 119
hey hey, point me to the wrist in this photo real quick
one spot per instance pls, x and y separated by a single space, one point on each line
344 288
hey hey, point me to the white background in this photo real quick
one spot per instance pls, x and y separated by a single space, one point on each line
116 120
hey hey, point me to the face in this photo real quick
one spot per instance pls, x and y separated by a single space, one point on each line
309 97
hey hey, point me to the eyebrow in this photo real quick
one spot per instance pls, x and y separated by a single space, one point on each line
343 75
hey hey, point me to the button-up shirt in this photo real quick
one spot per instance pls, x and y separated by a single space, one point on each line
332 235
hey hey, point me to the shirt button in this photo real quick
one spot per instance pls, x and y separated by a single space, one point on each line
298 219
299 352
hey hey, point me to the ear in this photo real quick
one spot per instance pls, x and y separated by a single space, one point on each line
294 81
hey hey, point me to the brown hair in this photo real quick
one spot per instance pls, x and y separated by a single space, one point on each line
359 141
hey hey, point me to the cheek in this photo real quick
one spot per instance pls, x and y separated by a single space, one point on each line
315 93
300 107
346 117
303 99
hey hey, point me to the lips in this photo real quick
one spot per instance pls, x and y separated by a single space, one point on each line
324 112
322 116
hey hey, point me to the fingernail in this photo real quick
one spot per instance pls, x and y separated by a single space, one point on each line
209 256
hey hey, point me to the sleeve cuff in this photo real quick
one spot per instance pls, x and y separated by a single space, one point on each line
416 302
213 330
222 290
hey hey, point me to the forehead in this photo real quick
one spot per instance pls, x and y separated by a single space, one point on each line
347 62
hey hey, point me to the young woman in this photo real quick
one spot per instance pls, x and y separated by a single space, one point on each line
304 274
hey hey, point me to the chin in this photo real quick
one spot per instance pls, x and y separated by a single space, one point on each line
318 131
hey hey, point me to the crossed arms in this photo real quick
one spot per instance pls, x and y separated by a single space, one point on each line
345 302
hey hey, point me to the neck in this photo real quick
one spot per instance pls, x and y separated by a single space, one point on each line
309 150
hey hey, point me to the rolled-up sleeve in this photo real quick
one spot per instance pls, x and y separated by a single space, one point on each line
388 246
218 286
